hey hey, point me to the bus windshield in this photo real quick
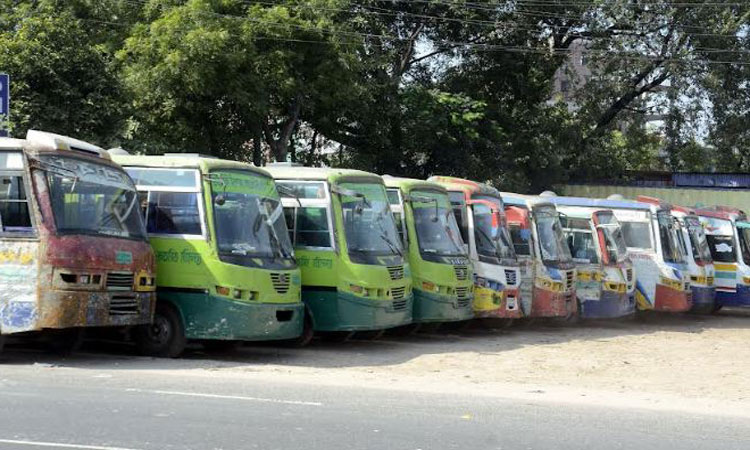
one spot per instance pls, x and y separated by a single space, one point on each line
743 232
720 239
92 198
248 215
368 223
617 249
580 240
492 238
671 239
698 241
551 240
435 223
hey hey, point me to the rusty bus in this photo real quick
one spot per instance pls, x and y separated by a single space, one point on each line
73 247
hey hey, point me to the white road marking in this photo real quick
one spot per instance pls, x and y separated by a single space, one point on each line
59 445
230 397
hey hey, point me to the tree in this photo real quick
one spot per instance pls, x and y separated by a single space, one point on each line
61 81
214 75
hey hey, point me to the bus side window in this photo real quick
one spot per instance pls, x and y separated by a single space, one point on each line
173 213
462 225
400 227
289 213
14 206
311 227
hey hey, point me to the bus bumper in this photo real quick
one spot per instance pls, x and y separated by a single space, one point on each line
609 306
704 299
339 311
429 307
59 309
739 298
547 303
672 300
213 317
497 305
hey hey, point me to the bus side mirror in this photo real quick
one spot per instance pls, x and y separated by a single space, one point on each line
220 200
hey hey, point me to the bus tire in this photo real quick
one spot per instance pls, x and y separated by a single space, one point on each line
165 336
308 332
2 342
66 341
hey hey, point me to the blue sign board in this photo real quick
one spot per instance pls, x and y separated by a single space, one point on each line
4 102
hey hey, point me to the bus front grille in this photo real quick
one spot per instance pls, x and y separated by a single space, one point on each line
399 305
398 292
120 281
396 272
463 302
510 277
123 305
462 292
629 275
462 272
280 282
570 279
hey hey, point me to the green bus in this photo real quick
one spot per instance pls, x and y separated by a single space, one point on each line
441 272
355 277
225 266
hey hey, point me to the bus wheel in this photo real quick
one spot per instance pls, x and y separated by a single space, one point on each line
717 308
66 341
164 337
221 345
308 332
336 336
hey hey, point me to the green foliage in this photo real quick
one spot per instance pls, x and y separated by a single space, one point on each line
473 89
60 80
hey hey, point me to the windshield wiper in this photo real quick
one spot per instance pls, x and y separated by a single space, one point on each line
384 235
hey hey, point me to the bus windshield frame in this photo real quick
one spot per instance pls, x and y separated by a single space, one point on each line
433 216
553 249
77 186
369 227
249 220
671 238
698 240
491 237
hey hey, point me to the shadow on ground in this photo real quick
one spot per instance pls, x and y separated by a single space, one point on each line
388 350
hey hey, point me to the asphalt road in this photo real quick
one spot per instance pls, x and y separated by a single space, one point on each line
46 407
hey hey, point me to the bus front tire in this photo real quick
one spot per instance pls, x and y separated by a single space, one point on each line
164 337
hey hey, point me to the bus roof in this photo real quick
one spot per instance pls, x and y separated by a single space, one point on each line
598 203
524 201
202 163
291 172
581 212
467 186
719 214
411 184
11 143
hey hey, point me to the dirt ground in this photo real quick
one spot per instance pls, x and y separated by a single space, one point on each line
683 362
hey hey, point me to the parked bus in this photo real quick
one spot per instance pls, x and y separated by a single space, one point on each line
605 285
700 264
728 234
480 212
548 275
226 267
652 236
74 249
355 277
440 267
